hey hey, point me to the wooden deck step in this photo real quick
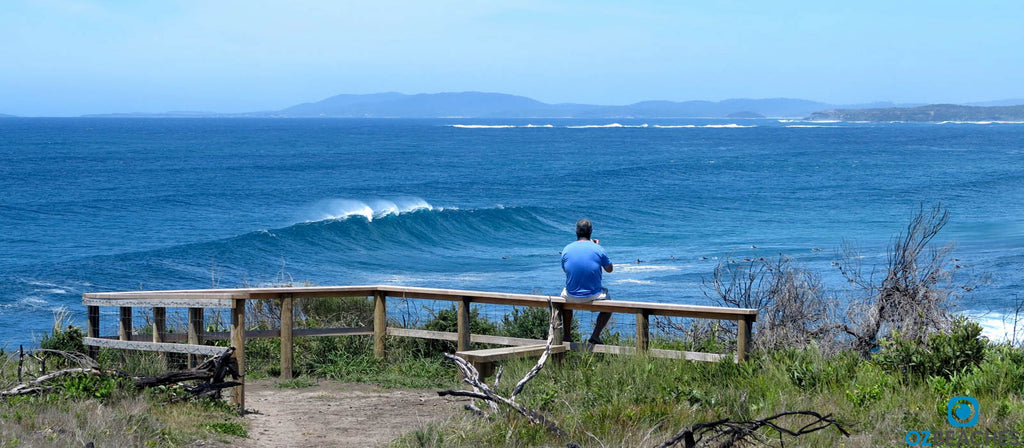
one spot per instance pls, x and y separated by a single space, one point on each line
484 359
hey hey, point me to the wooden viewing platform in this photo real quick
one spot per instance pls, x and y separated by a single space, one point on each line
235 300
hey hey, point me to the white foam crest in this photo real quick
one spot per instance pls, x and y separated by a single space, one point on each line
981 122
809 126
706 126
540 125
31 302
596 126
482 126
633 281
644 267
340 209
997 327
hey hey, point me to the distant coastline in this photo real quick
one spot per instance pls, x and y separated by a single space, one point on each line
499 105
930 113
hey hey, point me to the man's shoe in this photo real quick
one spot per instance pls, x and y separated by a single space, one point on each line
596 341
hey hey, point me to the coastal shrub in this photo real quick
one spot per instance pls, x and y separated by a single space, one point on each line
344 311
99 387
942 355
531 323
447 320
68 339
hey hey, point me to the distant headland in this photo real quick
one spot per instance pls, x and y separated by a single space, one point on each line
930 113
500 105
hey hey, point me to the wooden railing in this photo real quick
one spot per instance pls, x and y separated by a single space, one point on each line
235 299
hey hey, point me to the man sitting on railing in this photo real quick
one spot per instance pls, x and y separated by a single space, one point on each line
582 262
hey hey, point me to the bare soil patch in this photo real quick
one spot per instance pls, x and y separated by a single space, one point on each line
332 414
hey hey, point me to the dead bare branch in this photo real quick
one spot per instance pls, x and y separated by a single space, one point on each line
482 392
727 433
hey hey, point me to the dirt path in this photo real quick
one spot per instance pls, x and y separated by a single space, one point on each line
333 414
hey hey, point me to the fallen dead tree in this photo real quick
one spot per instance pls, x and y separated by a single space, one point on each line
486 393
728 433
210 374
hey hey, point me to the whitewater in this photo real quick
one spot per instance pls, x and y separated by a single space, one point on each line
91 205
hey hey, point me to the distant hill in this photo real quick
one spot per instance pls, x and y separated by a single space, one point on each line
932 112
7 116
499 105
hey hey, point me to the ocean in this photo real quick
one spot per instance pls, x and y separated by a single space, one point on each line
110 204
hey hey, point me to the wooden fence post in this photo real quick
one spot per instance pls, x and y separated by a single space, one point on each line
745 327
238 341
159 330
287 316
125 328
195 332
463 324
558 337
380 323
643 330
93 329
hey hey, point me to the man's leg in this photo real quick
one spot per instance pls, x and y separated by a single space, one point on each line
602 320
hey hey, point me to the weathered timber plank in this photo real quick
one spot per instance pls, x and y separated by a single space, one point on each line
495 354
451 336
654 352
423 334
689 356
160 302
154 346
356 331
264 334
504 340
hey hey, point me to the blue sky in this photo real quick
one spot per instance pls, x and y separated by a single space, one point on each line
71 57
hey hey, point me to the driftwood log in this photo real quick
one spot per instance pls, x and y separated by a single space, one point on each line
211 373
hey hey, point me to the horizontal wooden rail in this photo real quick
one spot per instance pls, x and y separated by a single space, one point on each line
191 349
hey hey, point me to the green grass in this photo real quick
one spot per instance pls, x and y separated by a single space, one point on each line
640 401
109 412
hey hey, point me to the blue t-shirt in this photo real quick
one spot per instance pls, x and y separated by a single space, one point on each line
582 262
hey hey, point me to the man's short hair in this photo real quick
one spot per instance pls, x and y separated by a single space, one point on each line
584 228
